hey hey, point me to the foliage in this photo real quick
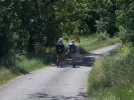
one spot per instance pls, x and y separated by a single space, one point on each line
127 50
106 20
125 19
103 36
113 78
34 25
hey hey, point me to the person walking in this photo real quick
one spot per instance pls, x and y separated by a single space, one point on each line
60 50
73 49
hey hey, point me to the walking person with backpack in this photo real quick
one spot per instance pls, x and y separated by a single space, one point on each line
73 49
60 50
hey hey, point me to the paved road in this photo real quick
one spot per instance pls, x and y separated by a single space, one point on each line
53 83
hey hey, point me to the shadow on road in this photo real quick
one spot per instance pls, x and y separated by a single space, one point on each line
86 60
39 96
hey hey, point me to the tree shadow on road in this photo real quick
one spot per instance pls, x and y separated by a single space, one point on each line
44 96
86 60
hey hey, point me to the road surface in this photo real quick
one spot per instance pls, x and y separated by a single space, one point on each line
52 83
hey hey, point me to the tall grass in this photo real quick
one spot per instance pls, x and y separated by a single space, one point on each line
90 43
112 78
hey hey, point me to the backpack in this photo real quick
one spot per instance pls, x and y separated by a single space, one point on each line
59 47
72 48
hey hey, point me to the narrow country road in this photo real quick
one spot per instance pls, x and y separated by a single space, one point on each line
54 83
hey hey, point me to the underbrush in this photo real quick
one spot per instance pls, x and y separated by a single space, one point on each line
112 77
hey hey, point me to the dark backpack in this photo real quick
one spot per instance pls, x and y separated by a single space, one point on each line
59 47
72 48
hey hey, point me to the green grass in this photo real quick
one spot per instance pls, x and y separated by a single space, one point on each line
5 75
112 78
25 65
90 43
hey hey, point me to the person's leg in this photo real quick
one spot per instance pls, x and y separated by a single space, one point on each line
74 62
59 59
73 59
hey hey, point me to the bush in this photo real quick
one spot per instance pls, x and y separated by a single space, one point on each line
103 36
113 78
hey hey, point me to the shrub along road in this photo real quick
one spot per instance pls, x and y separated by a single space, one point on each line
54 83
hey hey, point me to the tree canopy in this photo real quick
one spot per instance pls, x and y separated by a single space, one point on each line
34 25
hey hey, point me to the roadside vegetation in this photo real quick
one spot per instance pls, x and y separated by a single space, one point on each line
112 76
93 42
21 64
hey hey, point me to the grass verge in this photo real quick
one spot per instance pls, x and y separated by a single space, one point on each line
112 78
90 43
23 65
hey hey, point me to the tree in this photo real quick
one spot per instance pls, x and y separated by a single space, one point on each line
125 19
34 25
106 20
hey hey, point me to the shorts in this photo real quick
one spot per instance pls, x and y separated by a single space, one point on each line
74 55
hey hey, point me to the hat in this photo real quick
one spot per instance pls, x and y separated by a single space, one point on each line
73 41
60 40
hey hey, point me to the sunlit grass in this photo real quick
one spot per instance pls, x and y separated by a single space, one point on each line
90 43
5 75
112 78
25 65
